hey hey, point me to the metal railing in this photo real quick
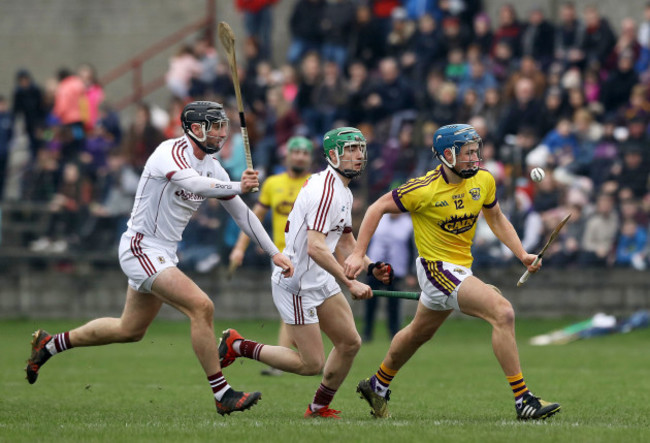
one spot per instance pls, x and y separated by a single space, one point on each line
140 88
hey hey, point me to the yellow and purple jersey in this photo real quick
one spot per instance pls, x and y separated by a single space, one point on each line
444 214
279 193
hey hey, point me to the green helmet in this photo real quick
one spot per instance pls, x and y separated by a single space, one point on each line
299 143
336 140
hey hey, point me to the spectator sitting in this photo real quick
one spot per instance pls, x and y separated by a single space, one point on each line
631 172
599 234
68 210
478 79
631 245
116 185
561 142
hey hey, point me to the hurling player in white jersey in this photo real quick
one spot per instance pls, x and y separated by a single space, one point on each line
318 238
178 176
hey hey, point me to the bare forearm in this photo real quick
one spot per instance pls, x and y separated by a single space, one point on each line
326 260
367 229
505 232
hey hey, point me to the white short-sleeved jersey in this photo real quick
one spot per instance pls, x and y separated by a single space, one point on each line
324 204
162 208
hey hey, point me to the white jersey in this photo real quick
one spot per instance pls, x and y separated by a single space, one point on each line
162 208
324 204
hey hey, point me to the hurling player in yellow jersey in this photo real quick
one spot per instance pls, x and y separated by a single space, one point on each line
278 194
444 205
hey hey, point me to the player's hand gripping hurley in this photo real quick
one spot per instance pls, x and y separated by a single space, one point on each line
227 38
554 234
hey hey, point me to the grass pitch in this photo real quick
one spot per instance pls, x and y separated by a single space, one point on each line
451 390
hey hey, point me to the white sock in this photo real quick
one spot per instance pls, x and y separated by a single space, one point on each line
219 394
51 347
381 389
237 346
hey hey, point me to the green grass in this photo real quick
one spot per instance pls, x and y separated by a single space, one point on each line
451 390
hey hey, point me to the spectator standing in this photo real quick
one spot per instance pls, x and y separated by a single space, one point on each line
28 104
336 25
537 38
6 134
617 88
644 40
509 30
367 39
305 35
569 36
70 106
258 21
483 35
183 67
599 39
142 138
94 95
523 111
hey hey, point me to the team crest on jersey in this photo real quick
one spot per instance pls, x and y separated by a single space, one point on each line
161 259
440 204
459 224
475 193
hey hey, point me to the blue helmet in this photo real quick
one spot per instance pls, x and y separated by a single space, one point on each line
455 137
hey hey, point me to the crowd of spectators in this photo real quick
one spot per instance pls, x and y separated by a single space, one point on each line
570 95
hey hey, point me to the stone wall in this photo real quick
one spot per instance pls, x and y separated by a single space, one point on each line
84 294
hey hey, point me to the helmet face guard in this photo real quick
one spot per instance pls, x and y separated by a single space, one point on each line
454 137
337 140
206 114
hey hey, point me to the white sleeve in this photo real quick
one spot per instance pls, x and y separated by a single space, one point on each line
205 186
250 224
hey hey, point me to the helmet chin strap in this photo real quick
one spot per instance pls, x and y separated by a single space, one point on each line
200 141
347 173
465 173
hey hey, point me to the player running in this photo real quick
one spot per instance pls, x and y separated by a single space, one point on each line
444 205
319 230
177 178
278 194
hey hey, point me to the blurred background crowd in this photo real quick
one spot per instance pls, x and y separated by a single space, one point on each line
570 95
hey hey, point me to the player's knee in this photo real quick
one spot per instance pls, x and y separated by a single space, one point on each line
313 367
204 309
354 344
505 313
133 335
